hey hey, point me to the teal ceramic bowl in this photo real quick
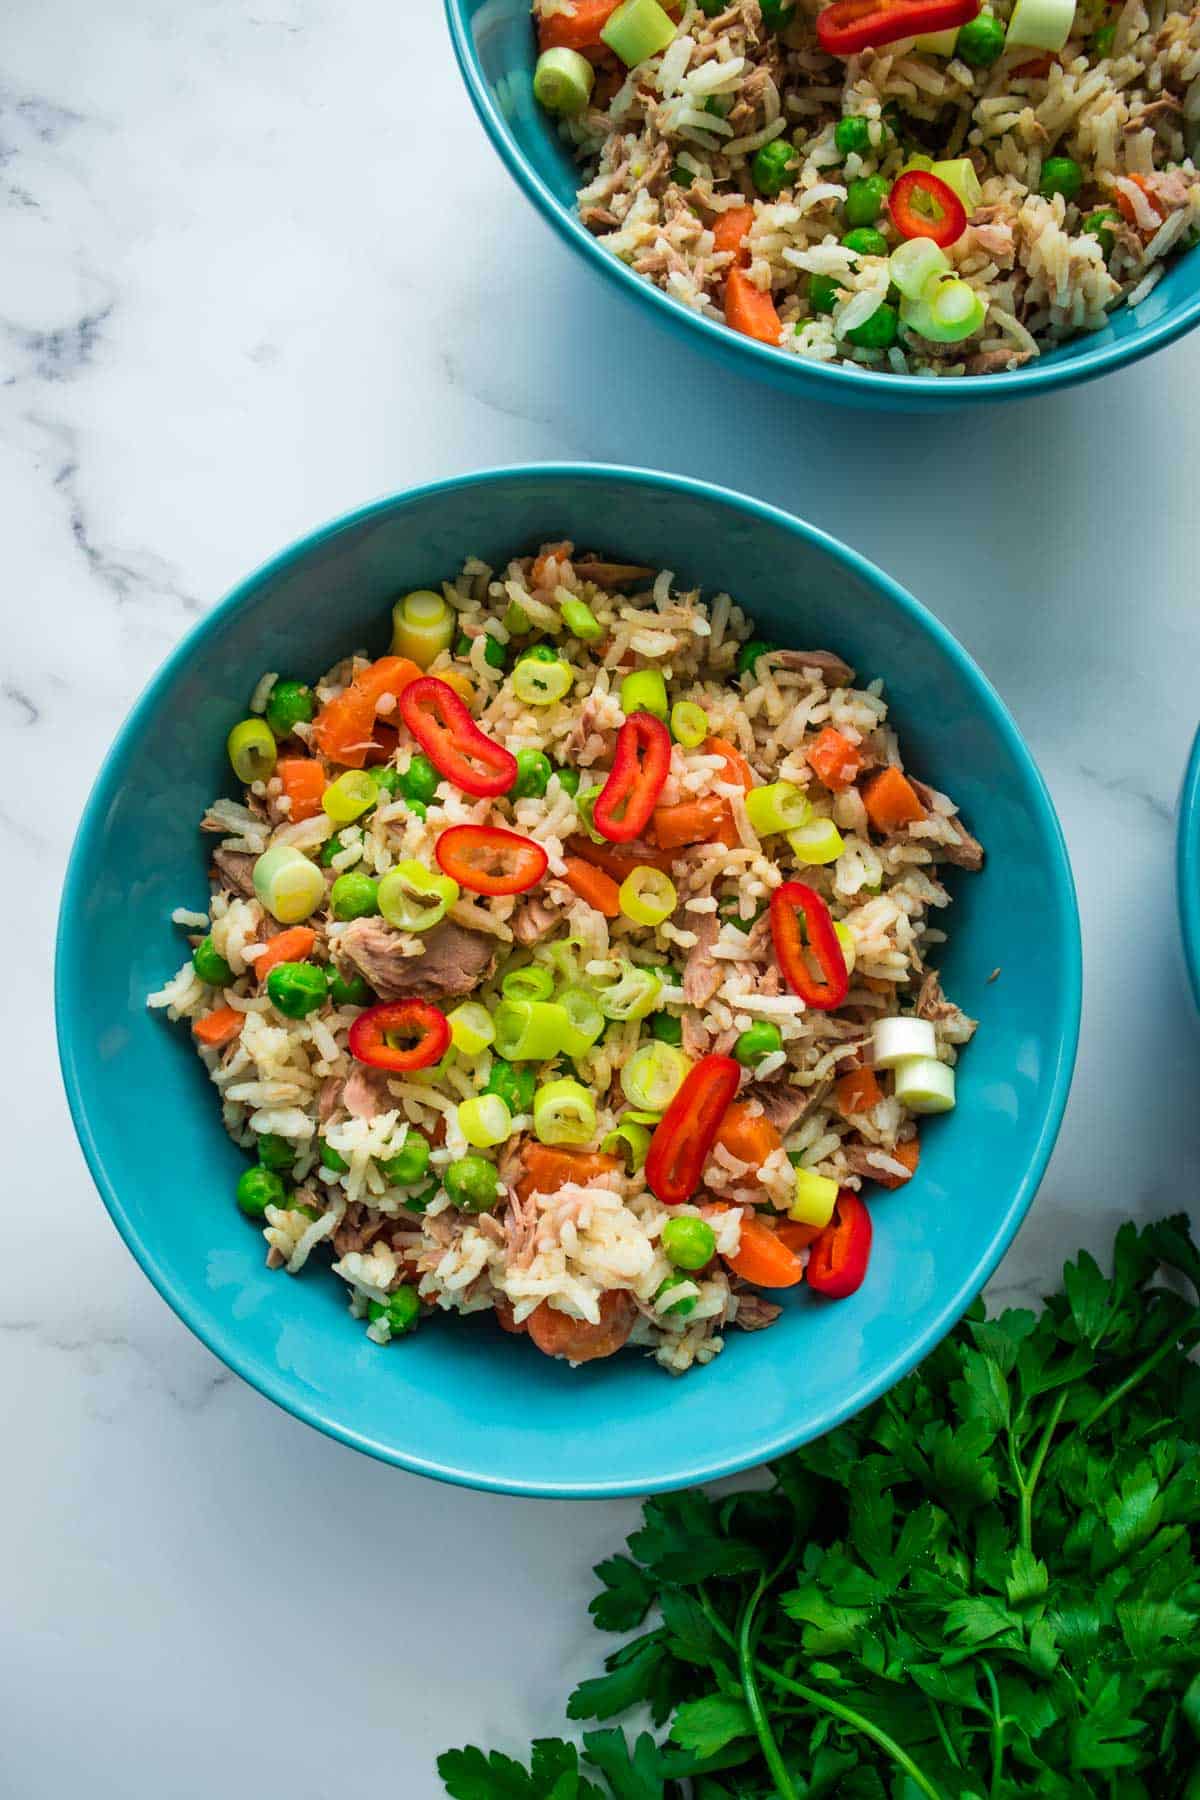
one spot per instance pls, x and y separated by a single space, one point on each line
494 43
1187 867
461 1400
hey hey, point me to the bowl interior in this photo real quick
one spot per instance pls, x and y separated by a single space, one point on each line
461 1399
495 46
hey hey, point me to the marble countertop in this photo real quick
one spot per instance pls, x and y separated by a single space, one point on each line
259 265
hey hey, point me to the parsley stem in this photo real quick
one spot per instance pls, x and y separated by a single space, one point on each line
860 1723
758 1712
1030 1481
1181 1340
997 1731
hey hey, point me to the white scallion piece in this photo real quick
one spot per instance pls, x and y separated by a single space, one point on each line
925 1086
896 1039
1040 24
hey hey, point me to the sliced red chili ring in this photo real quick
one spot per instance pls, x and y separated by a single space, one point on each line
641 764
453 742
787 904
684 1135
420 1021
922 205
490 860
849 26
838 1259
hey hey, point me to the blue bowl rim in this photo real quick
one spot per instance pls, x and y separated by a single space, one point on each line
184 1301
1187 867
903 391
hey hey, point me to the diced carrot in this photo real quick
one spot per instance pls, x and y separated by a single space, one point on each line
343 730
834 759
292 945
729 231
910 1155
736 767
1035 68
1126 204
577 30
547 1168
303 781
763 1258
619 863
691 822
504 1317
857 1092
552 552
749 310
557 1334
218 1028
797 1237
750 1136
891 801
592 885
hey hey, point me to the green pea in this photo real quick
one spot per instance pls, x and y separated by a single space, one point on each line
354 896
210 966
852 135
1098 223
409 1163
297 988
329 849
494 653
771 167
1102 41
418 1203
348 990
259 1188
749 654
865 199
388 780
330 1158
689 1243
515 1083
472 1184
275 1152
980 41
568 779
533 773
420 780
1060 175
401 1312
866 241
879 331
666 1028
777 15
681 1307
756 1042
823 293
290 704
540 653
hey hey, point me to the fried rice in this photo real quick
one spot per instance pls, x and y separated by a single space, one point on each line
581 1268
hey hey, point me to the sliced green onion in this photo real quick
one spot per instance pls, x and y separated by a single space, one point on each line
515 620
350 796
914 263
630 1141
564 1113
562 81
937 43
947 311
413 898
845 938
1040 24
484 1120
813 1199
631 995
780 806
637 30
644 691
288 884
917 161
579 619
585 1021
925 1086
252 750
647 896
819 841
530 1030
537 683
471 1028
895 1039
585 804
959 173
689 724
653 1076
422 626
530 983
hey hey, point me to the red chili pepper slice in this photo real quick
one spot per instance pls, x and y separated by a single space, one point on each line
849 26
838 1259
489 860
922 205
626 802
684 1135
371 1034
452 740
787 902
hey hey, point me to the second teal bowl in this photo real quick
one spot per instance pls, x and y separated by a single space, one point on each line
494 43
461 1400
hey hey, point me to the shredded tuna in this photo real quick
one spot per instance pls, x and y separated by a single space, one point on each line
454 960
783 1104
933 1005
365 1094
235 871
702 973
967 853
754 1313
832 670
535 919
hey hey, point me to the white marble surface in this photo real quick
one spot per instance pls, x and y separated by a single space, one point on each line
259 264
